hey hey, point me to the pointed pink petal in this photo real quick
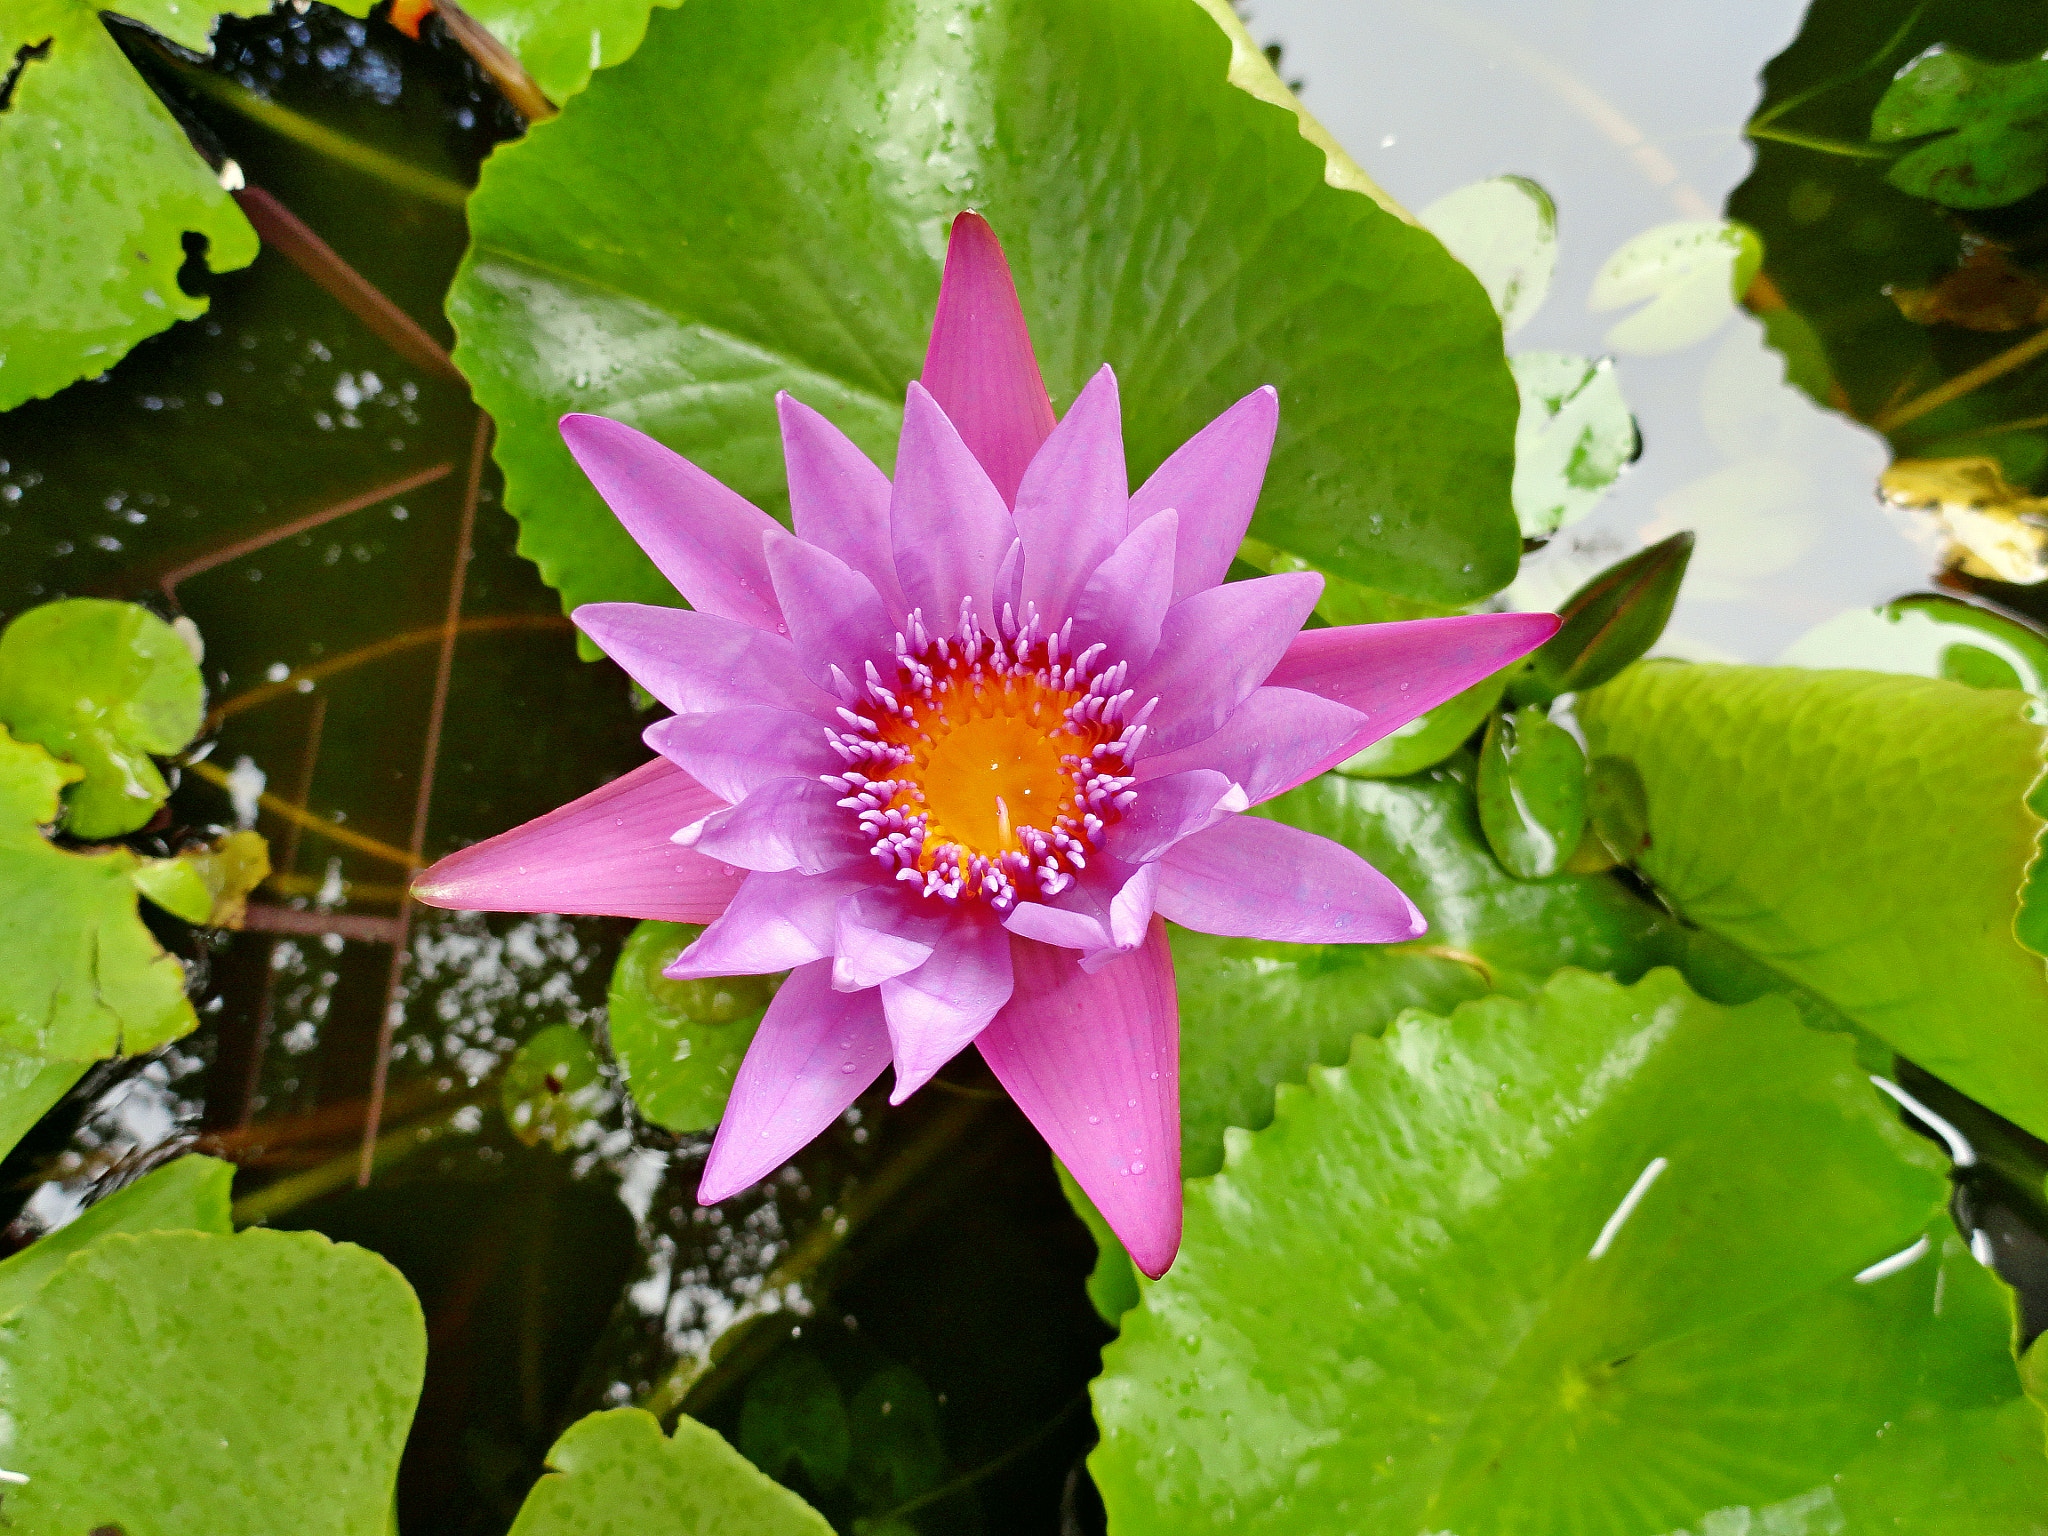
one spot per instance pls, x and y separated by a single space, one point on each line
880 935
1125 601
1250 878
1169 809
775 922
1214 649
814 1054
1130 914
704 538
734 751
950 528
698 662
1274 740
785 824
937 1009
1094 1063
607 853
836 617
838 500
979 366
1213 481
1070 506
1064 926
1390 673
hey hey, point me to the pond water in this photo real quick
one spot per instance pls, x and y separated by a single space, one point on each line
557 1282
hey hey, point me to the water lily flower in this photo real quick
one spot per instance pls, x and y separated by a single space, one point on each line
950 751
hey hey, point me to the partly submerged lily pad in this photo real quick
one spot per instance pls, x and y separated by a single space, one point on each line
680 1043
1866 835
1993 125
552 1087
1614 1259
1158 218
265 1383
85 978
208 885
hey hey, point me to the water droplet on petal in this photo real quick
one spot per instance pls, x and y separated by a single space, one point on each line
1095 1119
1137 1167
847 1068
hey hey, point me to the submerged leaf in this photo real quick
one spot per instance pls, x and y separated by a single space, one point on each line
552 1087
1692 272
104 685
1533 1268
208 885
1994 528
680 1043
1993 119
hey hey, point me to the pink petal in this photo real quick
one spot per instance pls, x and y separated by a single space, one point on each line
1274 740
1390 673
608 852
704 538
980 367
1250 878
696 663
735 751
1125 601
1070 506
1169 809
1130 913
950 528
838 500
785 824
814 1054
880 934
937 1009
1094 1063
1215 648
836 617
775 922
1213 481
1064 926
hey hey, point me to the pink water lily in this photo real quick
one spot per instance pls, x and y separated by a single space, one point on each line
951 750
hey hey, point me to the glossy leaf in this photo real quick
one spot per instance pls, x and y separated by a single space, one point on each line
1992 150
1930 636
266 1383
104 685
1505 231
1429 738
1571 1296
1573 438
189 1195
29 1085
552 1087
680 1043
1865 835
616 1471
1608 623
1691 272
1532 792
85 979
208 885
1216 258
560 42
99 186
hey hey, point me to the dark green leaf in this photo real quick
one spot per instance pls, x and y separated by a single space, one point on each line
1424 1301
103 685
615 1472
190 1194
1532 792
898 1450
656 256
793 1420
1994 118
680 1042
1608 623
552 1087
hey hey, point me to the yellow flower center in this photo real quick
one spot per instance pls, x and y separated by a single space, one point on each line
987 760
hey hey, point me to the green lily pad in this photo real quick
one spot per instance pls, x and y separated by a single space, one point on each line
615 1471
658 256
104 685
190 1194
680 1043
1993 122
1863 834
1532 792
99 186
1691 271
561 42
29 1086
84 979
1585 1264
1930 636
1505 231
187 1381
552 1087
1573 438
208 885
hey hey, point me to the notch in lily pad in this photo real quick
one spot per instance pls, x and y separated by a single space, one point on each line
1532 792
1609 622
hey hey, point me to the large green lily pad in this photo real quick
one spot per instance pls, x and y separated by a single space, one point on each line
84 978
98 187
190 1194
660 256
169 1382
103 684
1583 1264
29 1086
1864 834
615 1472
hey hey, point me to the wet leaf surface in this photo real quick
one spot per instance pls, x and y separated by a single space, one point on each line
1532 792
1992 120
680 1043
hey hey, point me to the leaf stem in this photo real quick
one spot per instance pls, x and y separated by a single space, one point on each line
1971 378
338 1172
1821 142
319 825
1800 98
